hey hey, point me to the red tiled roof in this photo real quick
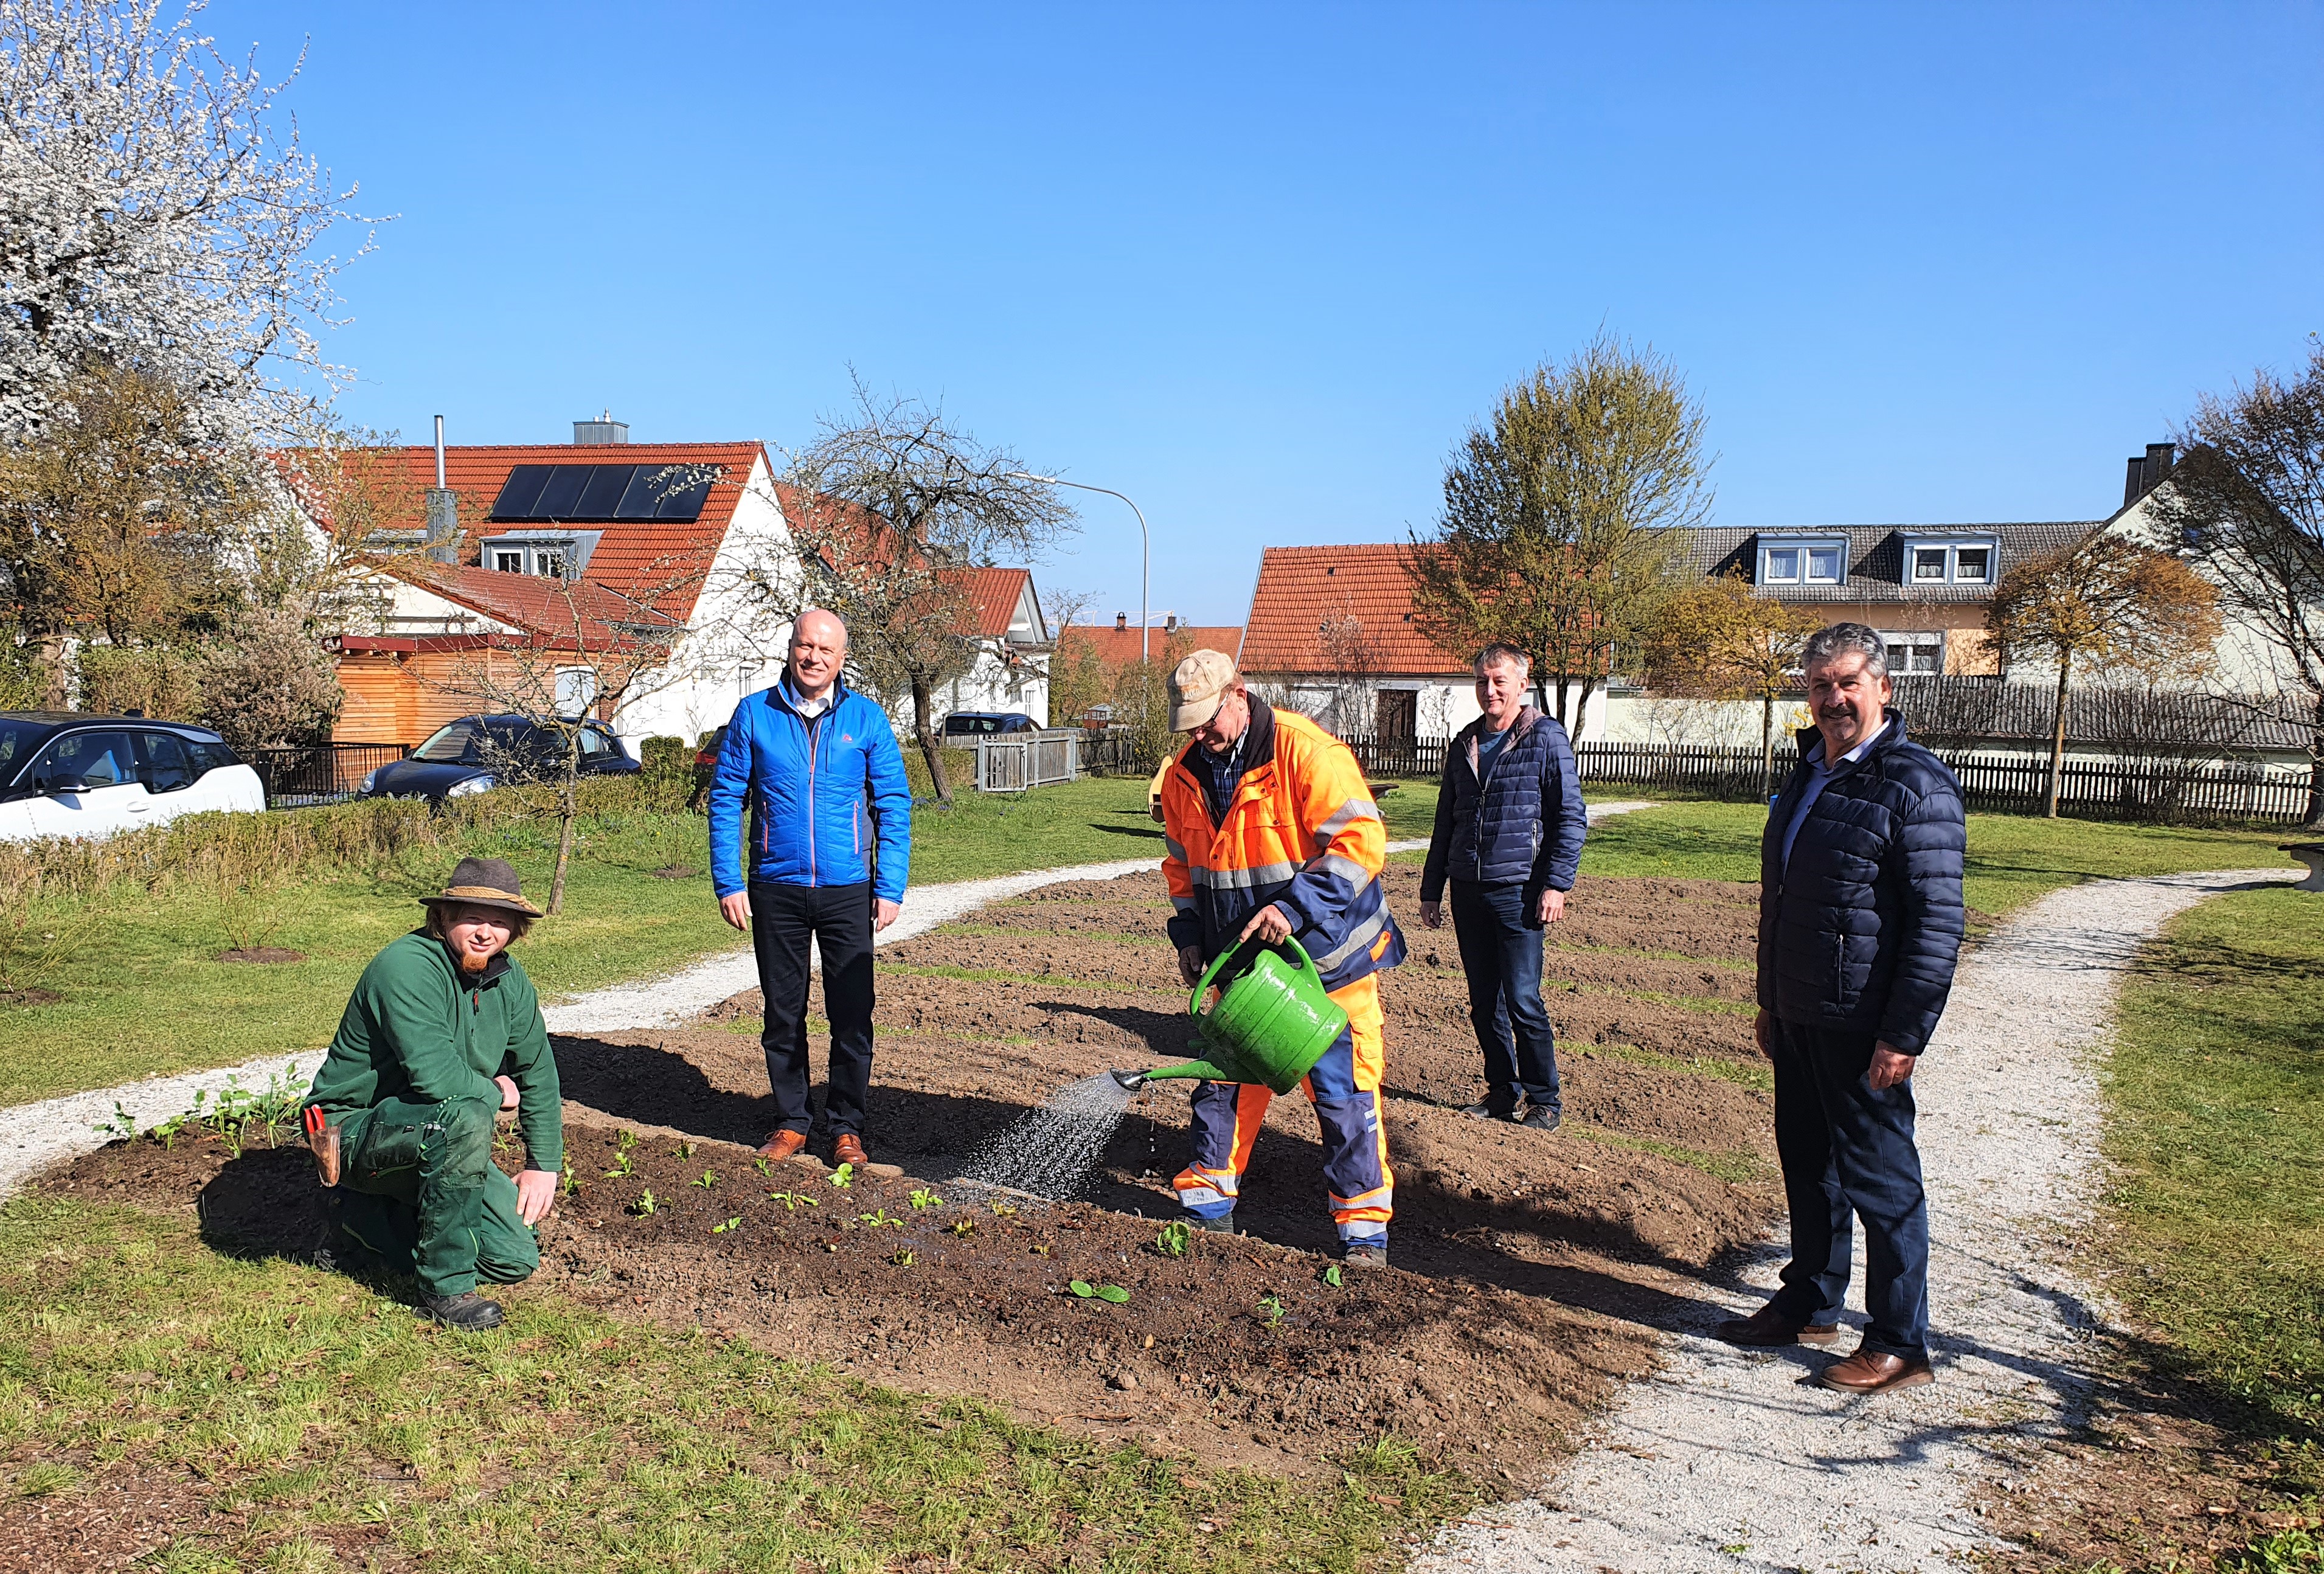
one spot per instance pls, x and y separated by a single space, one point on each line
1301 588
1119 646
992 594
641 556
575 616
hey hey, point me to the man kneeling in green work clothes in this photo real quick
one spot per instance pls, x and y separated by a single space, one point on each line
444 1032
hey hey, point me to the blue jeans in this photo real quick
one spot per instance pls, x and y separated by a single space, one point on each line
1848 1154
1500 950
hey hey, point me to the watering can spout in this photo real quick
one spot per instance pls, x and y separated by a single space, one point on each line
1130 1082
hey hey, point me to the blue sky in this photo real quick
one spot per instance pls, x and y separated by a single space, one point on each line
1258 267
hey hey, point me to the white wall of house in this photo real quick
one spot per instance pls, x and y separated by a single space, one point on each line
2246 660
729 650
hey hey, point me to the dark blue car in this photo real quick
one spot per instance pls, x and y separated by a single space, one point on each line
476 753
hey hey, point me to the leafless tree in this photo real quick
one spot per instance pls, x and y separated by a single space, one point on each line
886 509
2247 503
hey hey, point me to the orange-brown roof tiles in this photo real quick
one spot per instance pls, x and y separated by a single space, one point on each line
1302 587
575 616
992 595
1119 646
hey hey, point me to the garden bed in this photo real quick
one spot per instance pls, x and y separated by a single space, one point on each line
1531 1268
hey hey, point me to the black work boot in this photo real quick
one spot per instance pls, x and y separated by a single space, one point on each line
1492 1109
1540 1117
468 1311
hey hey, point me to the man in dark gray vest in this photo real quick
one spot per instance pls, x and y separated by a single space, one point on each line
1509 825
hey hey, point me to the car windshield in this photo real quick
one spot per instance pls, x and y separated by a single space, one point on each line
449 746
18 740
971 723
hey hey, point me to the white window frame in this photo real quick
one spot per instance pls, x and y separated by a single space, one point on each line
1803 550
1917 640
508 559
1949 550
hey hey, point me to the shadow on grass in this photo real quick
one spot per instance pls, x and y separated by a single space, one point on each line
1149 833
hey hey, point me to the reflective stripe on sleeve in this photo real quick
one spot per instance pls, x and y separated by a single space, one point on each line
1345 816
1360 936
1347 868
1240 880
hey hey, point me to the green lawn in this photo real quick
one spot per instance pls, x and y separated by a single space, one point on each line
307 1403
2216 1124
2011 859
144 992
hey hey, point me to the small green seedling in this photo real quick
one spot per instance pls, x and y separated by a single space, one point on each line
121 1125
963 1227
844 1176
644 1205
1270 1307
1176 1236
758 1163
904 1257
924 1198
879 1219
622 1168
709 1179
625 1140
684 1150
1113 1294
723 1228
793 1201
1332 1275
565 1182
1003 1209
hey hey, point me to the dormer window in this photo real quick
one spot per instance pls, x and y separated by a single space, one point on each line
550 555
508 562
1783 562
1932 563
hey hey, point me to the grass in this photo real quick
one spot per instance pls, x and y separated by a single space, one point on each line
305 1404
145 994
2215 1124
2011 859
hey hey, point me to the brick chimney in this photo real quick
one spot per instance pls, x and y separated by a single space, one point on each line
2147 471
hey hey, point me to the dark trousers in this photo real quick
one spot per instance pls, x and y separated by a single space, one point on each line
1500 950
1847 1151
839 920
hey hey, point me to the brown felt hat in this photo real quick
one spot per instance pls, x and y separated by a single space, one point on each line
484 882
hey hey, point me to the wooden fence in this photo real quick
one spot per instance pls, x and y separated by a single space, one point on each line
2167 793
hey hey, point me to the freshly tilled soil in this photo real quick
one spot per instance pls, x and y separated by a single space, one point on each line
1530 1268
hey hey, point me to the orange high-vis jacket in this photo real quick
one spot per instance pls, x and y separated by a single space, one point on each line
1301 833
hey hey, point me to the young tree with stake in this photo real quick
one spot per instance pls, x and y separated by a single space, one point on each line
2104 601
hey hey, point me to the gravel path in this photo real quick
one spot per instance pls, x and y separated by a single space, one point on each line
1726 1460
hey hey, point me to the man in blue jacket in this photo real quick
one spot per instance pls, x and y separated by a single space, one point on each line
1859 927
1509 824
819 767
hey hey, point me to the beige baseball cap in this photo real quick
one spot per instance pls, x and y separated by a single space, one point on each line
1197 687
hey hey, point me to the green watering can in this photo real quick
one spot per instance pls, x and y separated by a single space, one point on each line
1272 1024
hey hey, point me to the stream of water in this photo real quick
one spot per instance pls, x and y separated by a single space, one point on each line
1050 1151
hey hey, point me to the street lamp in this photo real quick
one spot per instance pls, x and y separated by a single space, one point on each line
1145 545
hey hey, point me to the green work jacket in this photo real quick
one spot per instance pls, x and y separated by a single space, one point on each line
417 1028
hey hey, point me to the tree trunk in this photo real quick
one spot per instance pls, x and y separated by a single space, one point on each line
1580 711
930 750
2058 739
568 809
1767 744
2315 820
56 693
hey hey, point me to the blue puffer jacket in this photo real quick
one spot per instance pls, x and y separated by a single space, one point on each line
1860 934
819 791
1522 822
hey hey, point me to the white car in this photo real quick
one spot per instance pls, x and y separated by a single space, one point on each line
62 774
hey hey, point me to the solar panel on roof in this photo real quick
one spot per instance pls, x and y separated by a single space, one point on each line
520 490
602 494
564 492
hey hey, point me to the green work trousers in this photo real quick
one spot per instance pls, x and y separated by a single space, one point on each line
422 1191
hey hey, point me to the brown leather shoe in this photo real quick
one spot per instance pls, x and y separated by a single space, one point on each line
1874 1371
847 1148
783 1145
1768 1329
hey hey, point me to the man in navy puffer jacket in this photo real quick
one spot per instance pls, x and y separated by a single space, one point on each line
1860 924
1509 825
818 765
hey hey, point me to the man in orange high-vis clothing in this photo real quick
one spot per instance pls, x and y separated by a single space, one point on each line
1270 830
